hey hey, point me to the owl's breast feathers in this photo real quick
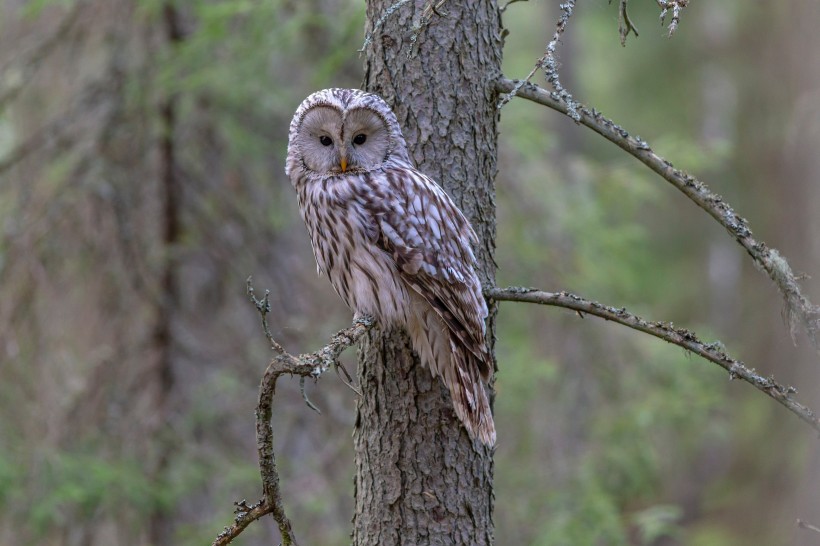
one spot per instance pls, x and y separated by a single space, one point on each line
343 233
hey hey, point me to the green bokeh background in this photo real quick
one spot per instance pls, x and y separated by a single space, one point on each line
606 436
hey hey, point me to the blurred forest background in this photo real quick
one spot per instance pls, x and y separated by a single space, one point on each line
142 145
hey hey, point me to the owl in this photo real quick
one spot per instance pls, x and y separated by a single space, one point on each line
391 241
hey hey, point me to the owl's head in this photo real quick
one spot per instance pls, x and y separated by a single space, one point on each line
339 131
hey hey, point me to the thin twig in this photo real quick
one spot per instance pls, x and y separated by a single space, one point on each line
712 352
677 7
625 24
306 365
803 525
549 65
799 309
506 5
308 403
347 379
263 308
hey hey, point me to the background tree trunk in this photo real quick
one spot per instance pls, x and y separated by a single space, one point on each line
419 478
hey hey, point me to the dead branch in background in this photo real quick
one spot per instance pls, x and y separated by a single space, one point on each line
712 352
310 365
56 134
804 525
799 310
22 70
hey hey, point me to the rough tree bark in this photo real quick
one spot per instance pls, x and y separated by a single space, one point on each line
419 478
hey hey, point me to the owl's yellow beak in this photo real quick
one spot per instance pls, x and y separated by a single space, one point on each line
343 164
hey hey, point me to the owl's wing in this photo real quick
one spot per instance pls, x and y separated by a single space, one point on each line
431 243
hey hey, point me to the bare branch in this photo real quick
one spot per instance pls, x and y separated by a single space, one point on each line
625 24
799 310
306 365
712 352
263 308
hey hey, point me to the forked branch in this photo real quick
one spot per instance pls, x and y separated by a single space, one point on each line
712 352
306 365
799 310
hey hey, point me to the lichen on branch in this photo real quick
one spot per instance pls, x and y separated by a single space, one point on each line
305 365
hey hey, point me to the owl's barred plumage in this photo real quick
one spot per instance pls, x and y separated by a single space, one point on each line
391 241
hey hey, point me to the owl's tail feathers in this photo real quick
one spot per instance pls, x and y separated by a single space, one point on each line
460 370
469 395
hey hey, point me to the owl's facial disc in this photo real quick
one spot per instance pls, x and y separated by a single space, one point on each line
332 142
365 138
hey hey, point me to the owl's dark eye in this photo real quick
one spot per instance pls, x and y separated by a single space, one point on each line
325 140
359 139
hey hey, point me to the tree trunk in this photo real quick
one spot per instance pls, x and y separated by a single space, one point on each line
419 478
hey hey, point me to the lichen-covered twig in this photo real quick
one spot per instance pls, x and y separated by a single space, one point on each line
306 365
799 310
549 64
625 24
677 7
712 352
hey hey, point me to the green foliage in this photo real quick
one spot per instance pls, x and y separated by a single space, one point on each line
83 486
33 8
648 418
657 522
10 480
582 516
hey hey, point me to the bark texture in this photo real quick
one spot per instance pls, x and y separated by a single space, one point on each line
419 477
